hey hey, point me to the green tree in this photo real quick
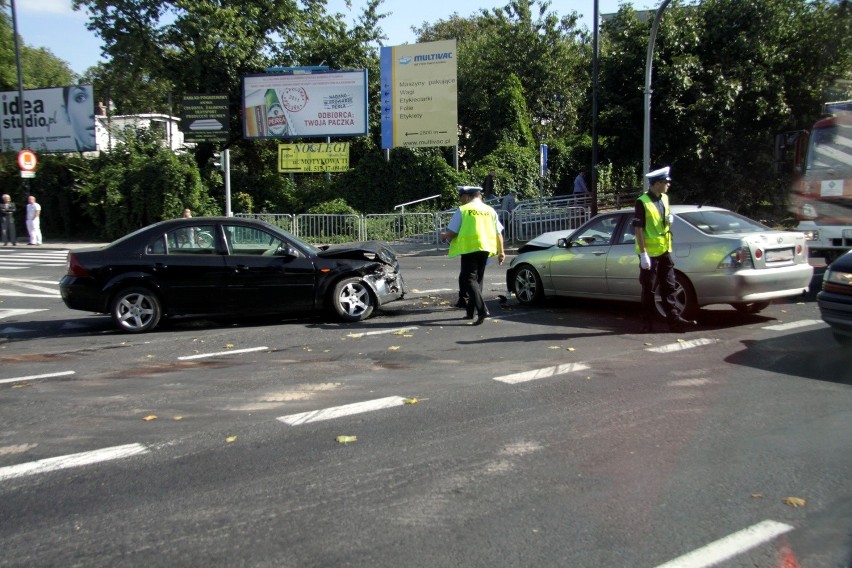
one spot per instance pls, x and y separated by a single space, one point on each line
548 54
40 68
139 183
728 76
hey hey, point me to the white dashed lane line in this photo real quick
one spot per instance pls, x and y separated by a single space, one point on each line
793 325
36 377
545 373
73 460
339 411
221 353
730 546
682 345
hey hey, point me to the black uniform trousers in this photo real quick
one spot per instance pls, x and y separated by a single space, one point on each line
473 272
662 273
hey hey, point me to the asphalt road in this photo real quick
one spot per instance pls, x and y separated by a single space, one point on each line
552 436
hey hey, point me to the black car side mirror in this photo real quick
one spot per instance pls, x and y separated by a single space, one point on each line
563 243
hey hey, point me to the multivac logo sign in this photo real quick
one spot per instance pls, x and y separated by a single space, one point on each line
426 59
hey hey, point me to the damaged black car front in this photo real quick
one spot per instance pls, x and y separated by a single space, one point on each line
379 279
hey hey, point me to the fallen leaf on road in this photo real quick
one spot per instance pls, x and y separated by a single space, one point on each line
346 439
229 346
795 501
569 348
230 439
149 418
554 347
757 495
393 348
410 400
355 335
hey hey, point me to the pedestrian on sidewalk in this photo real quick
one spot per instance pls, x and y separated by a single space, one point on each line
34 220
7 220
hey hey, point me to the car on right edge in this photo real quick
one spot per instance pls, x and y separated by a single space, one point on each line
835 298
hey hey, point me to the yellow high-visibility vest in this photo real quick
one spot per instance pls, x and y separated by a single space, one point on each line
658 237
478 230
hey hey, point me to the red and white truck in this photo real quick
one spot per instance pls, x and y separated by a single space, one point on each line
822 190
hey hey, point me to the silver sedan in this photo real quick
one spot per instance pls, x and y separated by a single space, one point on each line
720 257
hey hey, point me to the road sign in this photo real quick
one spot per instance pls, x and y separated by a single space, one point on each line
27 160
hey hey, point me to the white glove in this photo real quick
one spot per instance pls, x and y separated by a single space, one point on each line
670 219
644 261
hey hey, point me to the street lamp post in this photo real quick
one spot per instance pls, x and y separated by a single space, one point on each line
649 63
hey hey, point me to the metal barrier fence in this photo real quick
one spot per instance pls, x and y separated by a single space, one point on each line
529 219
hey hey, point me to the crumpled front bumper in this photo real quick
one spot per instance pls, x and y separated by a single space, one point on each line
388 284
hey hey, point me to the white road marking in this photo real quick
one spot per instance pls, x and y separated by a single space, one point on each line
542 373
793 325
220 353
34 377
730 546
680 346
436 290
73 460
384 331
11 312
17 280
338 411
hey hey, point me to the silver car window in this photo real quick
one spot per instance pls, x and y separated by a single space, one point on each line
722 222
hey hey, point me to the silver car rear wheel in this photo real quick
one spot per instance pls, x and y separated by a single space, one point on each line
684 297
527 285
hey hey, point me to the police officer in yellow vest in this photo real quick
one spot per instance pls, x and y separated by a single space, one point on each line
475 233
652 223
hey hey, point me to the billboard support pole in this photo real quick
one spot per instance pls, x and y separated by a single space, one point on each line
226 165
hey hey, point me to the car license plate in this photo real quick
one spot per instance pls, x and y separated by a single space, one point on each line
779 255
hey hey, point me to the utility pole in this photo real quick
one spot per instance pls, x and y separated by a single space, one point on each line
595 73
649 63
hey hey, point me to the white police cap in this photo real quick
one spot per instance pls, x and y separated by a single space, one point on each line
468 189
659 175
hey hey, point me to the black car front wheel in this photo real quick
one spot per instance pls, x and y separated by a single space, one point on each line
136 310
527 285
352 300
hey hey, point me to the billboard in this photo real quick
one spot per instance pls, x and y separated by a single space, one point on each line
206 118
60 119
420 95
319 104
312 158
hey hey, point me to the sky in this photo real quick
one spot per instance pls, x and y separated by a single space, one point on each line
54 25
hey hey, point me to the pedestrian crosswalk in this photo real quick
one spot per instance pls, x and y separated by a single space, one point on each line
21 257
22 288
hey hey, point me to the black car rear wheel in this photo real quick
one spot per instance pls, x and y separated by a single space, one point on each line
136 310
352 300
527 285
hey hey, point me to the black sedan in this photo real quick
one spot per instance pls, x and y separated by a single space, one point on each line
227 266
835 299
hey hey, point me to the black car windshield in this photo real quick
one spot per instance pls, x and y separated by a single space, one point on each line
722 222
